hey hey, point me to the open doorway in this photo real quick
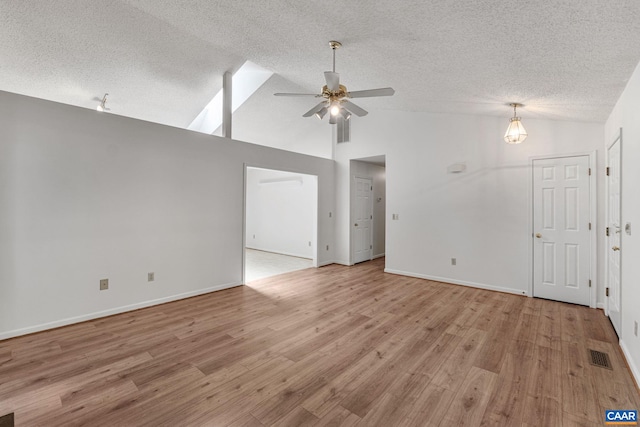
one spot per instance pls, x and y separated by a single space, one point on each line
368 208
280 222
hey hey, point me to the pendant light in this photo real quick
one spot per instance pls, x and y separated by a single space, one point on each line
515 133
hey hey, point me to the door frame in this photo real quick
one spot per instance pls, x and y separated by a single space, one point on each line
606 221
352 218
244 210
593 209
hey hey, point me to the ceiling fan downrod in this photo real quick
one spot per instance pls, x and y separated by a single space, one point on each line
334 45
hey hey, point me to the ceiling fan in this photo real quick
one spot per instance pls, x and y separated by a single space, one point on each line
336 96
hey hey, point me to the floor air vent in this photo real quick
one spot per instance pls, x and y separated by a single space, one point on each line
599 358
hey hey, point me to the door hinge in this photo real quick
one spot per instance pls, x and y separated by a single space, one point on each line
370 216
589 226
372 188
370 246
607 292
589 171
607 170
589 282
607 231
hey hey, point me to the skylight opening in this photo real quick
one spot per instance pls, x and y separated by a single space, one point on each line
245 82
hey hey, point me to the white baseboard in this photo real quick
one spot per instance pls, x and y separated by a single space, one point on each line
378 256
457 282
111 311
600 305
323 263
634 368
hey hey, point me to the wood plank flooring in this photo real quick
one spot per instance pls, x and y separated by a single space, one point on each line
335 346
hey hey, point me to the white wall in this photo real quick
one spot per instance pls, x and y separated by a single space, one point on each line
276 121
376 173
481 216
86 196
625 116
281 212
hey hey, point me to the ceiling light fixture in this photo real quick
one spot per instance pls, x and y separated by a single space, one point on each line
515 133
335 109
336 96
320 114
102 106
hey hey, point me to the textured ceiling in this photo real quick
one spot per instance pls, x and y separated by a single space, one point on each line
162 60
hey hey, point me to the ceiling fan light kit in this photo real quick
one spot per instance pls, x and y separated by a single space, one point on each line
515 133
336 96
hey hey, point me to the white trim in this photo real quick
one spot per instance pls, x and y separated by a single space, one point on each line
378 256
606 224
112 311
593 215
457 282
322 264
601 306
634 369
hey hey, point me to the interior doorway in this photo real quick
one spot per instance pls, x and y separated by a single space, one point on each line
562 229
280 222
368 208
613 292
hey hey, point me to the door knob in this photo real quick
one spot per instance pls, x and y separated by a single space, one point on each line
356 224
616 248
538 235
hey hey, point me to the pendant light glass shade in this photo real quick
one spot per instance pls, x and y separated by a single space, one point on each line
515 133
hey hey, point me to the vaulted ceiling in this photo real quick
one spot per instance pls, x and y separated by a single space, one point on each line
163 60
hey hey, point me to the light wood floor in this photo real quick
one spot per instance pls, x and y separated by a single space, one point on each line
332 346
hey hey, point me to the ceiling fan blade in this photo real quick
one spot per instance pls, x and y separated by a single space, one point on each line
315 109
385 91
350 106
333 80
298 94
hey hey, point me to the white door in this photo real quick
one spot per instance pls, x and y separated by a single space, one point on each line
561 263
613 238
363 220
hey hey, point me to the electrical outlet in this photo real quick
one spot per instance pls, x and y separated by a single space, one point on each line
453 261
395 217
104 284
151 277
635 328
